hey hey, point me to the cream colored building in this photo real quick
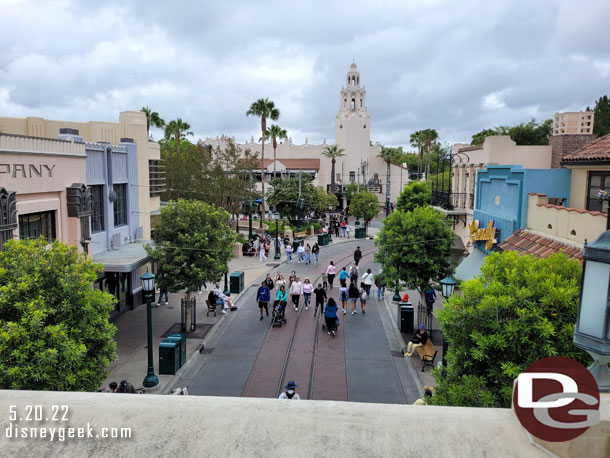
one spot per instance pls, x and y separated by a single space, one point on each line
573 123
131 125
467 159
361 163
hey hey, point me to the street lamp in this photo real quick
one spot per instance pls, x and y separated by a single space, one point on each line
148 286
448 285
330 229
276 217
592 331
396 297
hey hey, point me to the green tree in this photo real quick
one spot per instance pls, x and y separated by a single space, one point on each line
352 189
601 122
275 133
414 248
54 329
518 310
285 193
390 156
333 152
177 129
364 205
264 109
422 140
192 244
416 194
152 119
529 133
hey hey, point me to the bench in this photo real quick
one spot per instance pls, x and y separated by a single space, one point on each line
427 353
211 308
300 235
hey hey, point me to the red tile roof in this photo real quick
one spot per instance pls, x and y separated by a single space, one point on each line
469 148
570 209
295 164
597 150
525 242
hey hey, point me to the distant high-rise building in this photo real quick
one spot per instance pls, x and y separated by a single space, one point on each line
573 122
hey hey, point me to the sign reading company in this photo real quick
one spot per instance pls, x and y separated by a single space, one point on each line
487 235
26 170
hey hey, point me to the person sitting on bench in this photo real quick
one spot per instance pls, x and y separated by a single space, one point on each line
418 340
223 300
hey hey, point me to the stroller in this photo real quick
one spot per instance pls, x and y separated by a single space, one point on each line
277 316
333 331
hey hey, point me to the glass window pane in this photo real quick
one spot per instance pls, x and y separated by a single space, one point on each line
596 180
594 298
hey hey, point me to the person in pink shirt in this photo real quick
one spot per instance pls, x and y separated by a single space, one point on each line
307 290
331 271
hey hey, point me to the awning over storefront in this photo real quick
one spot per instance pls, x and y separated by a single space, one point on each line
470 266
125 259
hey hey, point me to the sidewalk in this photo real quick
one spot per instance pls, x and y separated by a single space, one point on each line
131 335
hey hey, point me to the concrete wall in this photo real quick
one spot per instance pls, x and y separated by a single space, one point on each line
580 181
132 124
568 225
201 426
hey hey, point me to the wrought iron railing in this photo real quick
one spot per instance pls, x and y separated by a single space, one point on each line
450 201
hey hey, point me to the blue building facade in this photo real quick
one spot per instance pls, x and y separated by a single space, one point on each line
501 198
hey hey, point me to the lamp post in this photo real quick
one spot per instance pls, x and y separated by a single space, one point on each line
330 229
448 285
148 286
396 297
276 217
226 292
592 330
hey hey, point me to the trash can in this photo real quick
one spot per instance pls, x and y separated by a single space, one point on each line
236 282
181 339
295 245
322 239
361 232
406 316
169 357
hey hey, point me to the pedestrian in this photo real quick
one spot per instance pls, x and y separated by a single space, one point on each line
257 245
367 279
300 253
307 290
343 276
263 296
363 297
290 392
111 388
296 290
330 316
293 276
280 281
380 286
357 255
223 300
282 296
343 295
262 252
320 294
430 298
269 282
353 295
354 273
288 250
126 387
348 228
307 254
315 251
336 227
418 340
343 224
162 292
331 271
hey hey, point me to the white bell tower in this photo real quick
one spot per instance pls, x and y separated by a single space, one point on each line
352 127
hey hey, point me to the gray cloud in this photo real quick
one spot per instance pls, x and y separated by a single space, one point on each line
457 67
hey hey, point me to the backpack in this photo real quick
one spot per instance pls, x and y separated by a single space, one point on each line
363 295
343 295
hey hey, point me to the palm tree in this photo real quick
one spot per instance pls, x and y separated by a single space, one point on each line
275 133
333 152
263 108
152 119
389 155
177 129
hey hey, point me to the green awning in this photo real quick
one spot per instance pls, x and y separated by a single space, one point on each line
470 267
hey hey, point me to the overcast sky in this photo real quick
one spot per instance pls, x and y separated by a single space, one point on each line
458 67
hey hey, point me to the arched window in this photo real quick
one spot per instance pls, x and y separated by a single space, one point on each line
358 81
344 103
353 104
348 83
360 103
353 81
573 232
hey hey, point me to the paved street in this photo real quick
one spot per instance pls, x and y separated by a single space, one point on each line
247 357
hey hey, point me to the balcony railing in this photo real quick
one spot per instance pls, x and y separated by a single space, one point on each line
156 177
450 201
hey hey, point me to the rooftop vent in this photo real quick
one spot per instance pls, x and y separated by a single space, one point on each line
68 131
127 140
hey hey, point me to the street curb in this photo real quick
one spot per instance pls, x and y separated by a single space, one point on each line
410 366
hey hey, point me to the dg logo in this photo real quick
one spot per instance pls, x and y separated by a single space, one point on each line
556 399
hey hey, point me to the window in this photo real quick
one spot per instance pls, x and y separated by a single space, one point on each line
597 181
376 177
360 103
338 178
120 204
353 104
352 176
97 219
34 225
344 103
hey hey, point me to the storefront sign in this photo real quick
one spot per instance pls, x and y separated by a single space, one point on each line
27 170
487 235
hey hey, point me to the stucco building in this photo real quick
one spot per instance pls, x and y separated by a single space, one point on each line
360 164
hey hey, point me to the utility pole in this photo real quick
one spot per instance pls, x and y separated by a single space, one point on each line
250 210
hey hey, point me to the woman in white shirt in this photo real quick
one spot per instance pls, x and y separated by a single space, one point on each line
367 279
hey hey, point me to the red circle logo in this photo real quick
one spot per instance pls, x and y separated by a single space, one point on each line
556 399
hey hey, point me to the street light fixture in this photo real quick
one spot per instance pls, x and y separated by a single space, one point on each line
148 286
276 217
330 229
592 331
448 285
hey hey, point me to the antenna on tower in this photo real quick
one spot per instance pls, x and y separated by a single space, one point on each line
354 58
